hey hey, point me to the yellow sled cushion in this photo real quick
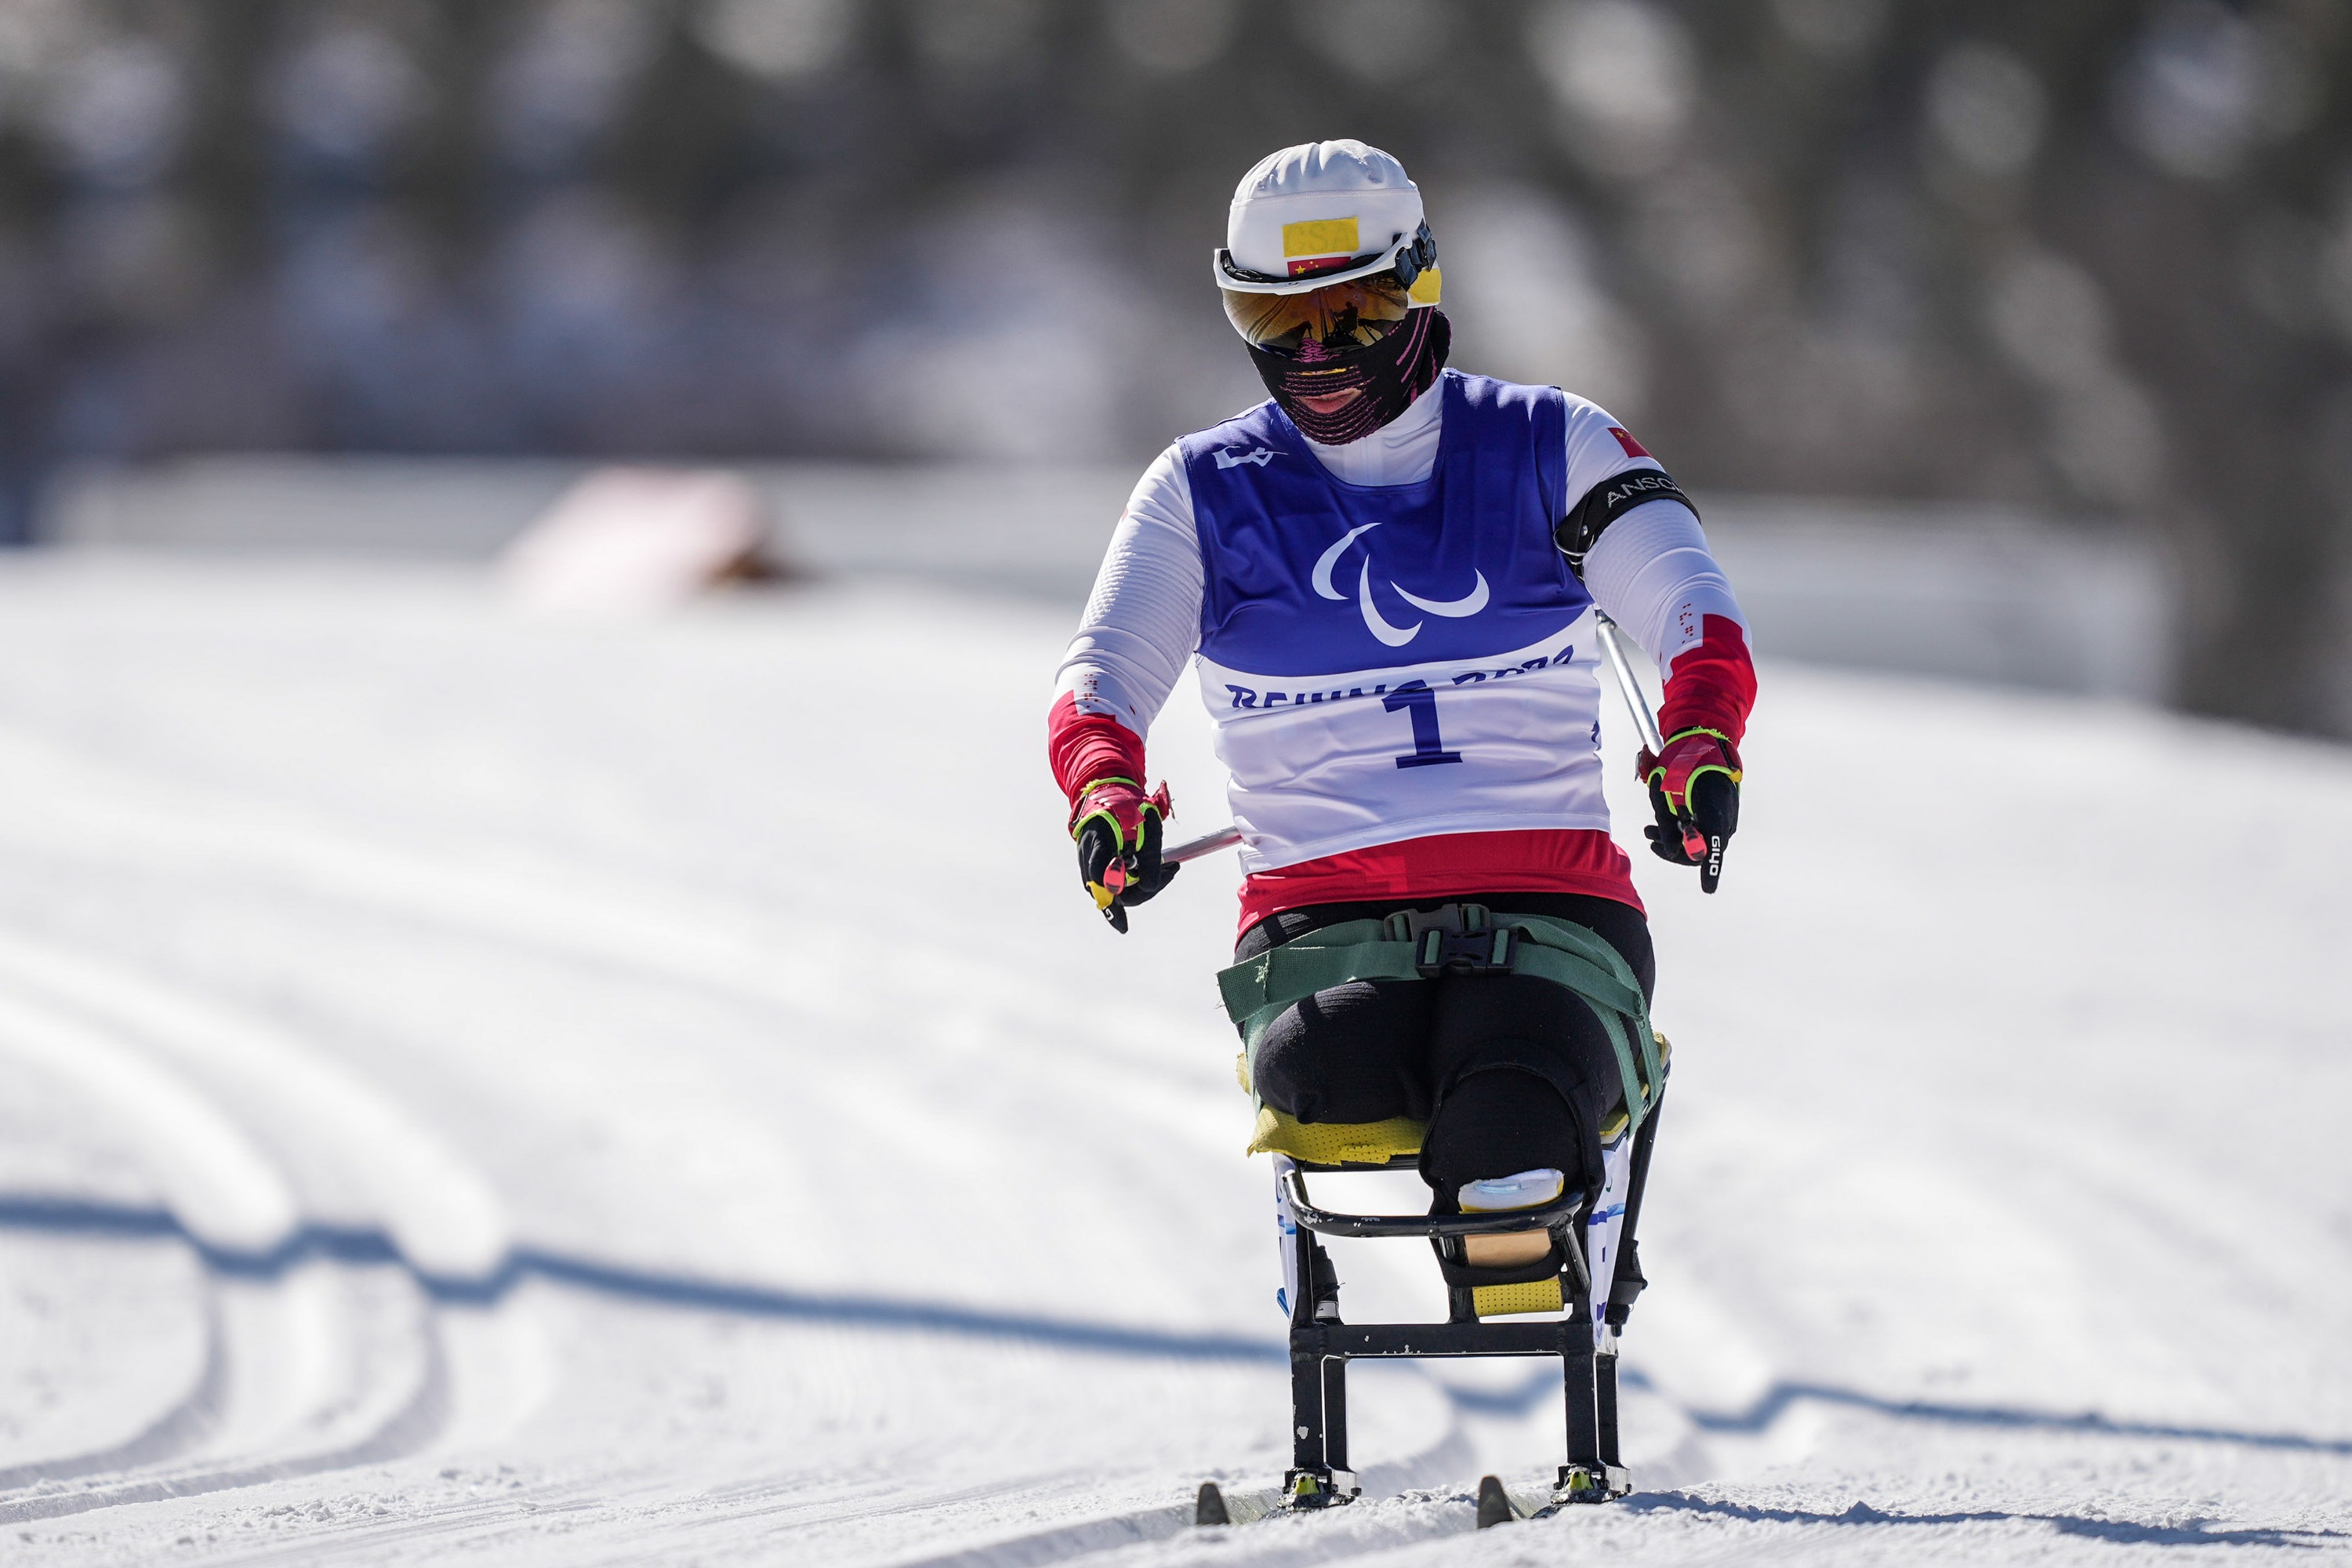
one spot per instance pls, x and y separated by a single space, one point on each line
1371 1143
1502 1301
1334 1143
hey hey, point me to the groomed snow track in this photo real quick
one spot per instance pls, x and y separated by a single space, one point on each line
574 1094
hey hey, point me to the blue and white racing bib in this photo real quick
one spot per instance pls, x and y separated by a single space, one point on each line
1391 662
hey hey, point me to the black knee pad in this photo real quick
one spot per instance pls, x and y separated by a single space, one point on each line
1349 1054
1514 1106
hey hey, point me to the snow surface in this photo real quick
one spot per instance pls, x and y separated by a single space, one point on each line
488 1090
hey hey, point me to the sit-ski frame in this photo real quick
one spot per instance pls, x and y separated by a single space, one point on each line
1322 1344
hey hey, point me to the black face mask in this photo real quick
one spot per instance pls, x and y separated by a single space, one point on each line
1388 375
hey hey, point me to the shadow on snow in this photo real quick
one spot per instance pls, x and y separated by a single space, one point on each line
2196 1533
360 1244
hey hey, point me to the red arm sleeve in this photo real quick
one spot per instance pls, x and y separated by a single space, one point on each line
1712 684
1083 747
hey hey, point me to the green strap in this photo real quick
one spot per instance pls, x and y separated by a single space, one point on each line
1575 957
1256 990
1335 955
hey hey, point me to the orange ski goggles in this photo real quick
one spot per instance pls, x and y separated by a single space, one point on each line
1341 317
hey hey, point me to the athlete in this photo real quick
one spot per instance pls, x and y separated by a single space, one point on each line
1386 576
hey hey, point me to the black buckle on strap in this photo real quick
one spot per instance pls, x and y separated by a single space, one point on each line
1464 953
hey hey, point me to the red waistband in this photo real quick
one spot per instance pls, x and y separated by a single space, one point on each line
1544 860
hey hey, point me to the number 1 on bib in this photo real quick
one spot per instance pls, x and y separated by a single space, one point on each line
1420 704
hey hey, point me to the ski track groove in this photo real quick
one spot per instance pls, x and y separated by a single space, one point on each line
225 1198
185 1424
443 1216
411 1427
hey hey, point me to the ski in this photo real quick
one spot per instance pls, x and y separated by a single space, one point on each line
1213 1507
1496 1503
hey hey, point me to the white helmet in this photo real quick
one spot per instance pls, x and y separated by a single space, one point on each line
1324 213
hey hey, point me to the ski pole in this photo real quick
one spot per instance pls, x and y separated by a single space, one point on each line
1636 703
1207 844
1707 852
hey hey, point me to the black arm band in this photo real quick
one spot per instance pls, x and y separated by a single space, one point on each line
1606 502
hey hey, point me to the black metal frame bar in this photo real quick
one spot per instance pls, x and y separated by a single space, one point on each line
1321 1346
1550 1216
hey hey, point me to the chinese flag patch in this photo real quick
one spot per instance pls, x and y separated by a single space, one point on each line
1625 439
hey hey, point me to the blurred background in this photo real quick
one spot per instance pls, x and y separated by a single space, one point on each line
2008 340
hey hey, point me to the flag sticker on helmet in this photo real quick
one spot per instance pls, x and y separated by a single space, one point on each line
1318 245
1319 236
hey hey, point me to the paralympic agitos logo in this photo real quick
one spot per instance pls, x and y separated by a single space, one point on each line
1468 604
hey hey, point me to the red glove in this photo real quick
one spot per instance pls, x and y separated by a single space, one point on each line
1694 791
1117 827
